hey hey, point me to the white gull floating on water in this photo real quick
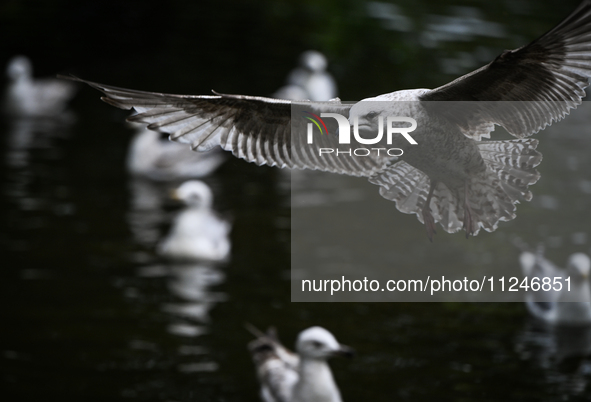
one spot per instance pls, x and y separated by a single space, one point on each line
451 176
30 97
310 80
301 377
564 307
197 233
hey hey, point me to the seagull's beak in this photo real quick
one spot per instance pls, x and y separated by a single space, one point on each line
344 351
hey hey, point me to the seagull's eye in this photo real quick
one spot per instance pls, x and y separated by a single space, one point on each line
316 344
371 115
195 198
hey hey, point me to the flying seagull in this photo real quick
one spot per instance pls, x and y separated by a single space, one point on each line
569 305
302 377
451 176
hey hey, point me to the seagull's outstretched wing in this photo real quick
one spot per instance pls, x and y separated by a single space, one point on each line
253 128
537 84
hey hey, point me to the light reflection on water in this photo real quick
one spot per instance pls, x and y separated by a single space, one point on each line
90 311
561 352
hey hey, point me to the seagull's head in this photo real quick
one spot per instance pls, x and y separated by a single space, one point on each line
194 193
318 343
313 61
579 265
368 113
19 67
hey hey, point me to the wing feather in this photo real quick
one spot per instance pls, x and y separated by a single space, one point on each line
538 83
253 128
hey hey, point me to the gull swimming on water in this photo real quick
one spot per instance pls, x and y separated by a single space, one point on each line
451 175
310 81
302 377
30 97
197 233
568 306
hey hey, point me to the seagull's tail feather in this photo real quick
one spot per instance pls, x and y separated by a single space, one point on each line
409 188
403 184
510 171
492 194
514 163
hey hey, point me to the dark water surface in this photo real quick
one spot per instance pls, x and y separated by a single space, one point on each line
90 312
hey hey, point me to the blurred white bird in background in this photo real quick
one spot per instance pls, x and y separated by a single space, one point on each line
563 307
36 110
160 159
29 97
310 80
197 233
301 377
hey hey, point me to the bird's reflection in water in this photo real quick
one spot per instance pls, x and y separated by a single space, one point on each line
30 134
190 283
190 302
39 136
148 211
562 352
37 182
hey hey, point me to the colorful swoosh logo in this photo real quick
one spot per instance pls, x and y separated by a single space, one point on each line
317 121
